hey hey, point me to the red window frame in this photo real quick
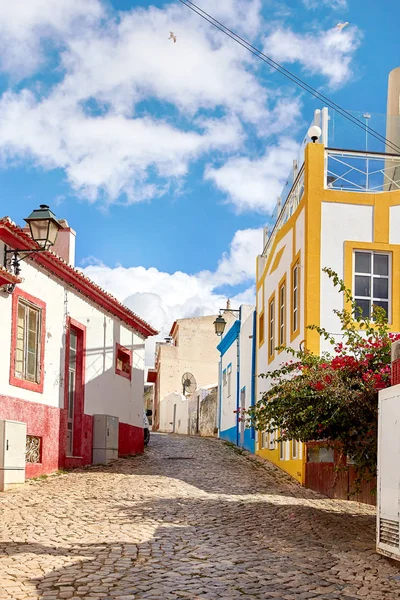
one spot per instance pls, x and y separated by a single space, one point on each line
128 354
40 305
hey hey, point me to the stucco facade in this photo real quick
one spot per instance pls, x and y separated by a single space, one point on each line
87 359
237 370
326 225
190 349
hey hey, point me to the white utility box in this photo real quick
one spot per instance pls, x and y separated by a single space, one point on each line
105 439
12 454
388 484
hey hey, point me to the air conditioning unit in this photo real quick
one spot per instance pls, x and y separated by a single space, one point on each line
105 439
388 483
12 454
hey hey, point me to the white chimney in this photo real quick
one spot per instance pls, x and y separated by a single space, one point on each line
65 243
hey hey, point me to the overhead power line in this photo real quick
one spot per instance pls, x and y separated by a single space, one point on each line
288 74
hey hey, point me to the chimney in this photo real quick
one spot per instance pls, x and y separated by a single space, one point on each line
393 108
65 243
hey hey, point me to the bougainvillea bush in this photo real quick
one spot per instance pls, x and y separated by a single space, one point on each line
333 397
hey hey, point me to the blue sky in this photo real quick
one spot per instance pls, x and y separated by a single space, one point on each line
167 158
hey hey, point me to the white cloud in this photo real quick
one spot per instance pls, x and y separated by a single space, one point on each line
161 297
333 4
328 53
255 184
108 154
91 123
24 26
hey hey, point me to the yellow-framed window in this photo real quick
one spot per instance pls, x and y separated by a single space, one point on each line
295 304
271 327
282 312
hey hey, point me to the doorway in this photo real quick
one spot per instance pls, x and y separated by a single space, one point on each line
74 387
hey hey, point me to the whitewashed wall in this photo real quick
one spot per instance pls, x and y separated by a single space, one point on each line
271 284
167 413
340 223
106 392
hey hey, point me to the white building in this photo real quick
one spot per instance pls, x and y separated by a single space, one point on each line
237 372
190 351
69 351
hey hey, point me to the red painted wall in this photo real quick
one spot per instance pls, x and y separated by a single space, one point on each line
42 421
50 424
131 439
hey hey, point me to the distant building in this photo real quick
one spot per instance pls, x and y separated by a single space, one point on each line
190 351
148 400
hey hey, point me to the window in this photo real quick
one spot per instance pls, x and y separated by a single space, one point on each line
123 363
295 449
264 440
271 327
282 450
224 377
261 328
371 281
33 452
282 314
229 370
27 348
272 440
295 297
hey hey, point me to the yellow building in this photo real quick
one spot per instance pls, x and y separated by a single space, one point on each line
342 212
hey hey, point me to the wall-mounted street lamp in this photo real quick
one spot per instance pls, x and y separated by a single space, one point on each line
44 228
220 323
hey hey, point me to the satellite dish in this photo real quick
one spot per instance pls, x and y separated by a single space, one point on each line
188 383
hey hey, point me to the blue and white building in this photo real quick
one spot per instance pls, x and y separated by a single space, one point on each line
236 389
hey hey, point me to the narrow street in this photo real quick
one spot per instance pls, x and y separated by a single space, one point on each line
192 518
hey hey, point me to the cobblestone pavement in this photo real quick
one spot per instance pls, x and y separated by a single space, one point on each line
190 519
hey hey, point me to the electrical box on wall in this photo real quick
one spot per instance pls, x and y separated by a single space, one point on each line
105 439
12 454
388 483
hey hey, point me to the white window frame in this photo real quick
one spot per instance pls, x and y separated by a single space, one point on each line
24 375
372 276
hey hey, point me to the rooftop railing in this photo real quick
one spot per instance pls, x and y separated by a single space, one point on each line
285 212
354 171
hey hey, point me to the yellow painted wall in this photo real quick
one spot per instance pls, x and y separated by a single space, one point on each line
314 195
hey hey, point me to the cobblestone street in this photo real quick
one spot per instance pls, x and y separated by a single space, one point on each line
192 518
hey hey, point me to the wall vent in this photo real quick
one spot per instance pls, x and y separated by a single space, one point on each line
389 532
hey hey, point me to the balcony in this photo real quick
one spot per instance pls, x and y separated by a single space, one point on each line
354 171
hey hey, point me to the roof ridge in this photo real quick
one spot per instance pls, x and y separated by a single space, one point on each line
59 262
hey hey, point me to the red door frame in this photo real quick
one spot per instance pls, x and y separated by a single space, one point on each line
79 406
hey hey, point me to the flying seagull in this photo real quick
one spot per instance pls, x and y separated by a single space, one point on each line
172 36
341 26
